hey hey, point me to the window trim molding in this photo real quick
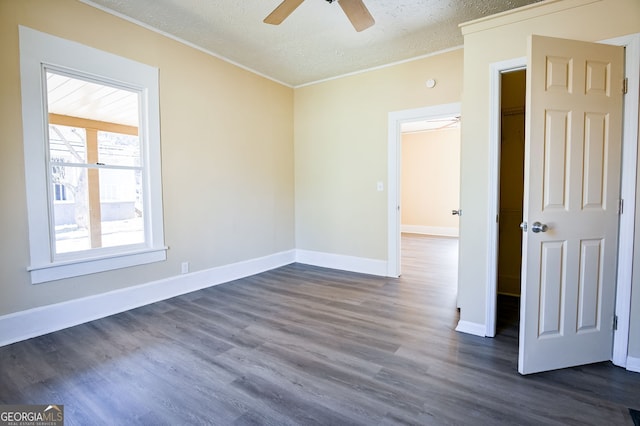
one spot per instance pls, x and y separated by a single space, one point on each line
39 49
85 266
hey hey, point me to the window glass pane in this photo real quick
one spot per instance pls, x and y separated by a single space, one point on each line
66 181
118 149
93 140
71 219
67 144
121 207
106 209
80 99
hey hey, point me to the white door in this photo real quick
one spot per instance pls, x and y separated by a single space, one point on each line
571 197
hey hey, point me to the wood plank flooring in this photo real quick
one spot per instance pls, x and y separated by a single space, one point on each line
304 345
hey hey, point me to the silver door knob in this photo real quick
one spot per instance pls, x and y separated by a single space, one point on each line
539 227
456 212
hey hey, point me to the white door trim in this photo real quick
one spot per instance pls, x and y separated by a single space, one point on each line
628 191
628 194
394 151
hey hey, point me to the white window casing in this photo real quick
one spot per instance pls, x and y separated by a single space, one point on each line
37 51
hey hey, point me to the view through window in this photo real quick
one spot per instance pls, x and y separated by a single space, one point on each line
95 169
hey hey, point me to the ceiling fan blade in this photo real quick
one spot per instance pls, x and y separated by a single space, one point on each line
357 13
281 12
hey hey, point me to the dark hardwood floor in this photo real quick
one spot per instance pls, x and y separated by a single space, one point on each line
304 345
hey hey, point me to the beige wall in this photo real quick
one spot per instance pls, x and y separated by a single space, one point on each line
507 37
341 150
430 181
227 154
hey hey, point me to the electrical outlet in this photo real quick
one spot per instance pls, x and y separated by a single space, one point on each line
185 267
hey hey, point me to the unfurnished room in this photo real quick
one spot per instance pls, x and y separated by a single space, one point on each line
320 212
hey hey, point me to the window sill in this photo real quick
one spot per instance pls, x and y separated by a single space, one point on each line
76 268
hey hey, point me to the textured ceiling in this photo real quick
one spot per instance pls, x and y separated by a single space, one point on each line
316 42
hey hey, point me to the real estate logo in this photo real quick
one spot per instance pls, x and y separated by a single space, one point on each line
32 415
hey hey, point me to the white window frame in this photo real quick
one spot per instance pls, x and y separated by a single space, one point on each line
38 50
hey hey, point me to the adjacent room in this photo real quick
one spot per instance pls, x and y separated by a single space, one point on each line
320 212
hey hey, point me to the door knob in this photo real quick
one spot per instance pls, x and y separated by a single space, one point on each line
539 227
456 212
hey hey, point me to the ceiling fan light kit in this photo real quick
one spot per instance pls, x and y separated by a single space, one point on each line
355 10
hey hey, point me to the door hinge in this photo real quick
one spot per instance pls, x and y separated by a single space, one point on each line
620 206
615 322
625 86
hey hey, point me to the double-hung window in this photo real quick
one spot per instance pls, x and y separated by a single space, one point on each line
92 158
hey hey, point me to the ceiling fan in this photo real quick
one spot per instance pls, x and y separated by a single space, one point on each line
355 10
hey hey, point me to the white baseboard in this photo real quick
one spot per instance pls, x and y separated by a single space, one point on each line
430 230
344 263
471 328
633 364
46 319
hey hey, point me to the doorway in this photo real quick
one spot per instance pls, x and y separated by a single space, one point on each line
511 190
434 115
430 189
430 176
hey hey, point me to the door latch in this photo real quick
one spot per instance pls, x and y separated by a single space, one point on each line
539 227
